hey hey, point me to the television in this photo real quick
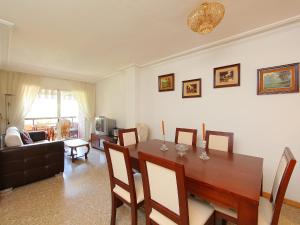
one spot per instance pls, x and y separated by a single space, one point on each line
104 126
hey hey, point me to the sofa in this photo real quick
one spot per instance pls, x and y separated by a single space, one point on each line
21 163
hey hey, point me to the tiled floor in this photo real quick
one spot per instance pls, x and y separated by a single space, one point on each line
81 196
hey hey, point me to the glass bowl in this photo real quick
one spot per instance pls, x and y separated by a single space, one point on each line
181 149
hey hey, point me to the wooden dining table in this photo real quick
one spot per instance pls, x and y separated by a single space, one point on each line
229 179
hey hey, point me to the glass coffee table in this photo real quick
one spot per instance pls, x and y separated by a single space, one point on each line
73 144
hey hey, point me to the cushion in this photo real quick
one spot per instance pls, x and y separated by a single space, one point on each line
129 138
119 165
218 142
199 213
185 138
12 137
26 139
138 190
265 211
163 186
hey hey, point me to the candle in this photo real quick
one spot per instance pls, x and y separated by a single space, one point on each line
203 131
163 127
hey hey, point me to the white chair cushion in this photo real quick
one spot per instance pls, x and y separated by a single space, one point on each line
218 142
163 186
199 213
265 211
129 138
185 138
118 165
230 212
160 218
138 190
12 137
143 131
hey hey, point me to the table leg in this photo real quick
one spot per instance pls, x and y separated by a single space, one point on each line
88 150
247 213
72 155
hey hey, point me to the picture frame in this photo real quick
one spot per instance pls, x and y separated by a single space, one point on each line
278 79
227 76
191 88
166 82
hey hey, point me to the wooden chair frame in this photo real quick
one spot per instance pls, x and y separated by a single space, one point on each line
122 131
219 133
291 162
193 131
183 217
117 200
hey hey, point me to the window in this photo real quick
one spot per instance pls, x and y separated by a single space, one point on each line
45 105
68 105
48 107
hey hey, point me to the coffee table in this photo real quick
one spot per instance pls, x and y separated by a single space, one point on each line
73 144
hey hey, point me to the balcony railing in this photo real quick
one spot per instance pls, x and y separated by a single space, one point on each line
43 123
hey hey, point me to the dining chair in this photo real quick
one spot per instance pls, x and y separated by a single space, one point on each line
128 136
166 201
125 186
143 131
217 140
186 136
269 210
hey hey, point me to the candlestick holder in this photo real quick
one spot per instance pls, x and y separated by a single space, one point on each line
203 154
163 147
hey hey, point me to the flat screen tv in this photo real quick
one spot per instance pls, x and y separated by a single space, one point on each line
104 125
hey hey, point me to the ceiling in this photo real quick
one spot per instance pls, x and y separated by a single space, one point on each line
90 39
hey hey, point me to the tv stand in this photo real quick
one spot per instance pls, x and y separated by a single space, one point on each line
97 140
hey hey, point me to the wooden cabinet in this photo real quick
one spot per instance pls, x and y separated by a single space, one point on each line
97 140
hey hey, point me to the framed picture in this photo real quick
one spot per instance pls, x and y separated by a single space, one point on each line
191 88
278 79
166 82
227 76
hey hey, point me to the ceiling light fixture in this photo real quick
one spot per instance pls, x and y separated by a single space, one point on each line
206 17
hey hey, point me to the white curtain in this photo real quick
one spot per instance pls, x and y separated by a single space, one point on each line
23 89
85 96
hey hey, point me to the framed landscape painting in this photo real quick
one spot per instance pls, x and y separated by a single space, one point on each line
191 88
278 79
227 76
166 82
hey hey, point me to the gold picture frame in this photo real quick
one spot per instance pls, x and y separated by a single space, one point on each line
166 82
278 79
191 88
227 76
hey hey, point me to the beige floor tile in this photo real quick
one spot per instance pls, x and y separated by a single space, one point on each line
80 196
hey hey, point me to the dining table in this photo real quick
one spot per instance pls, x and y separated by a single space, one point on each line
231 180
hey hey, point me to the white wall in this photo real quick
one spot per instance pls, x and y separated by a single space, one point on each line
116 97
262 125
110 98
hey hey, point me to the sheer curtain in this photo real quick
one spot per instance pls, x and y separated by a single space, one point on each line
24 90
85 96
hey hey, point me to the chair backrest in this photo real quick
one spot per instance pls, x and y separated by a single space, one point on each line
143 131
164 188
128 136
186 136
281 181
218 140
120 168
